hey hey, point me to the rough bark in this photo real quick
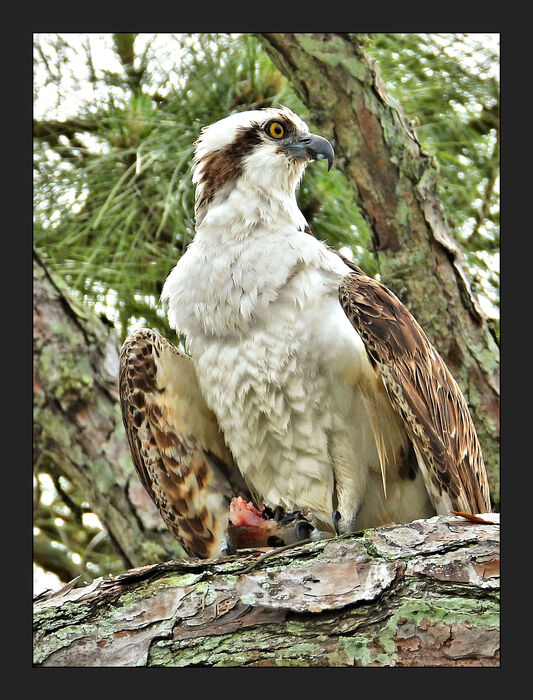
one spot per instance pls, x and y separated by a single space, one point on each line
78 427
395 185
421 594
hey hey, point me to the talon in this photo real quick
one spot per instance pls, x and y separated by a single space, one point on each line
278 513
274 541
292 516
287 518
303 529
336 516
268 513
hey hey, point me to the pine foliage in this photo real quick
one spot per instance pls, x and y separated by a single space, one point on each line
448 85
113 195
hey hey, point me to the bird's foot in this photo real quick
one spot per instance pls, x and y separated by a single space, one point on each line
266 527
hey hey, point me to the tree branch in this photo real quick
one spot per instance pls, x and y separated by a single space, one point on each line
51 130
422 594
78 424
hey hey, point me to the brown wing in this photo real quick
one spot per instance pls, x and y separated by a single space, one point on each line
175 442
423 392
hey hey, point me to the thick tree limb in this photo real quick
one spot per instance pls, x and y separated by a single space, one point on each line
395 184
422 594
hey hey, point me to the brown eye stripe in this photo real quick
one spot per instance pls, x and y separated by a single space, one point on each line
222 166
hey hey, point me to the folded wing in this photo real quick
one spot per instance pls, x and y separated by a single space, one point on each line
175 442
423 393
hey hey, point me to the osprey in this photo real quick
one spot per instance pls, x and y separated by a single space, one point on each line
310 389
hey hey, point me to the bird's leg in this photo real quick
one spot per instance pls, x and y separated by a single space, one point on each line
227 548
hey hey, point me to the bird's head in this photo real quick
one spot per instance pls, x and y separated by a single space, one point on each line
268 149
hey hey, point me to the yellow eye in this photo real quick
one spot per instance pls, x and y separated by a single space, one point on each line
276 130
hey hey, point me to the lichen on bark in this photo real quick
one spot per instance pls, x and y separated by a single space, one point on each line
78 429
425 593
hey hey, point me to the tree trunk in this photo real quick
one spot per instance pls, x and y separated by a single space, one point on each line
396 188
78 428
422 594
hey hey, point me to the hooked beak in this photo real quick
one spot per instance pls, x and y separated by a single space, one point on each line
311 146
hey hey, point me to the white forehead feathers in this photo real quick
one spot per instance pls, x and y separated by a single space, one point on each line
217 136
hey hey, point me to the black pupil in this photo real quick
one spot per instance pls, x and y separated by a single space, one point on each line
277 129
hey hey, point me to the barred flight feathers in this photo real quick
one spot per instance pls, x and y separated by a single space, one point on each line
422 390
175 443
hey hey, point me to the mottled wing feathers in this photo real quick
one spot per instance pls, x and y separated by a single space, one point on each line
423 392
175 443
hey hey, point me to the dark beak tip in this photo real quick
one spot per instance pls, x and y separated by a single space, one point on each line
314 147
329 158
323 150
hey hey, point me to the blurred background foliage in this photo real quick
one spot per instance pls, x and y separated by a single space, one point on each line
115 119
114 200
448 84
